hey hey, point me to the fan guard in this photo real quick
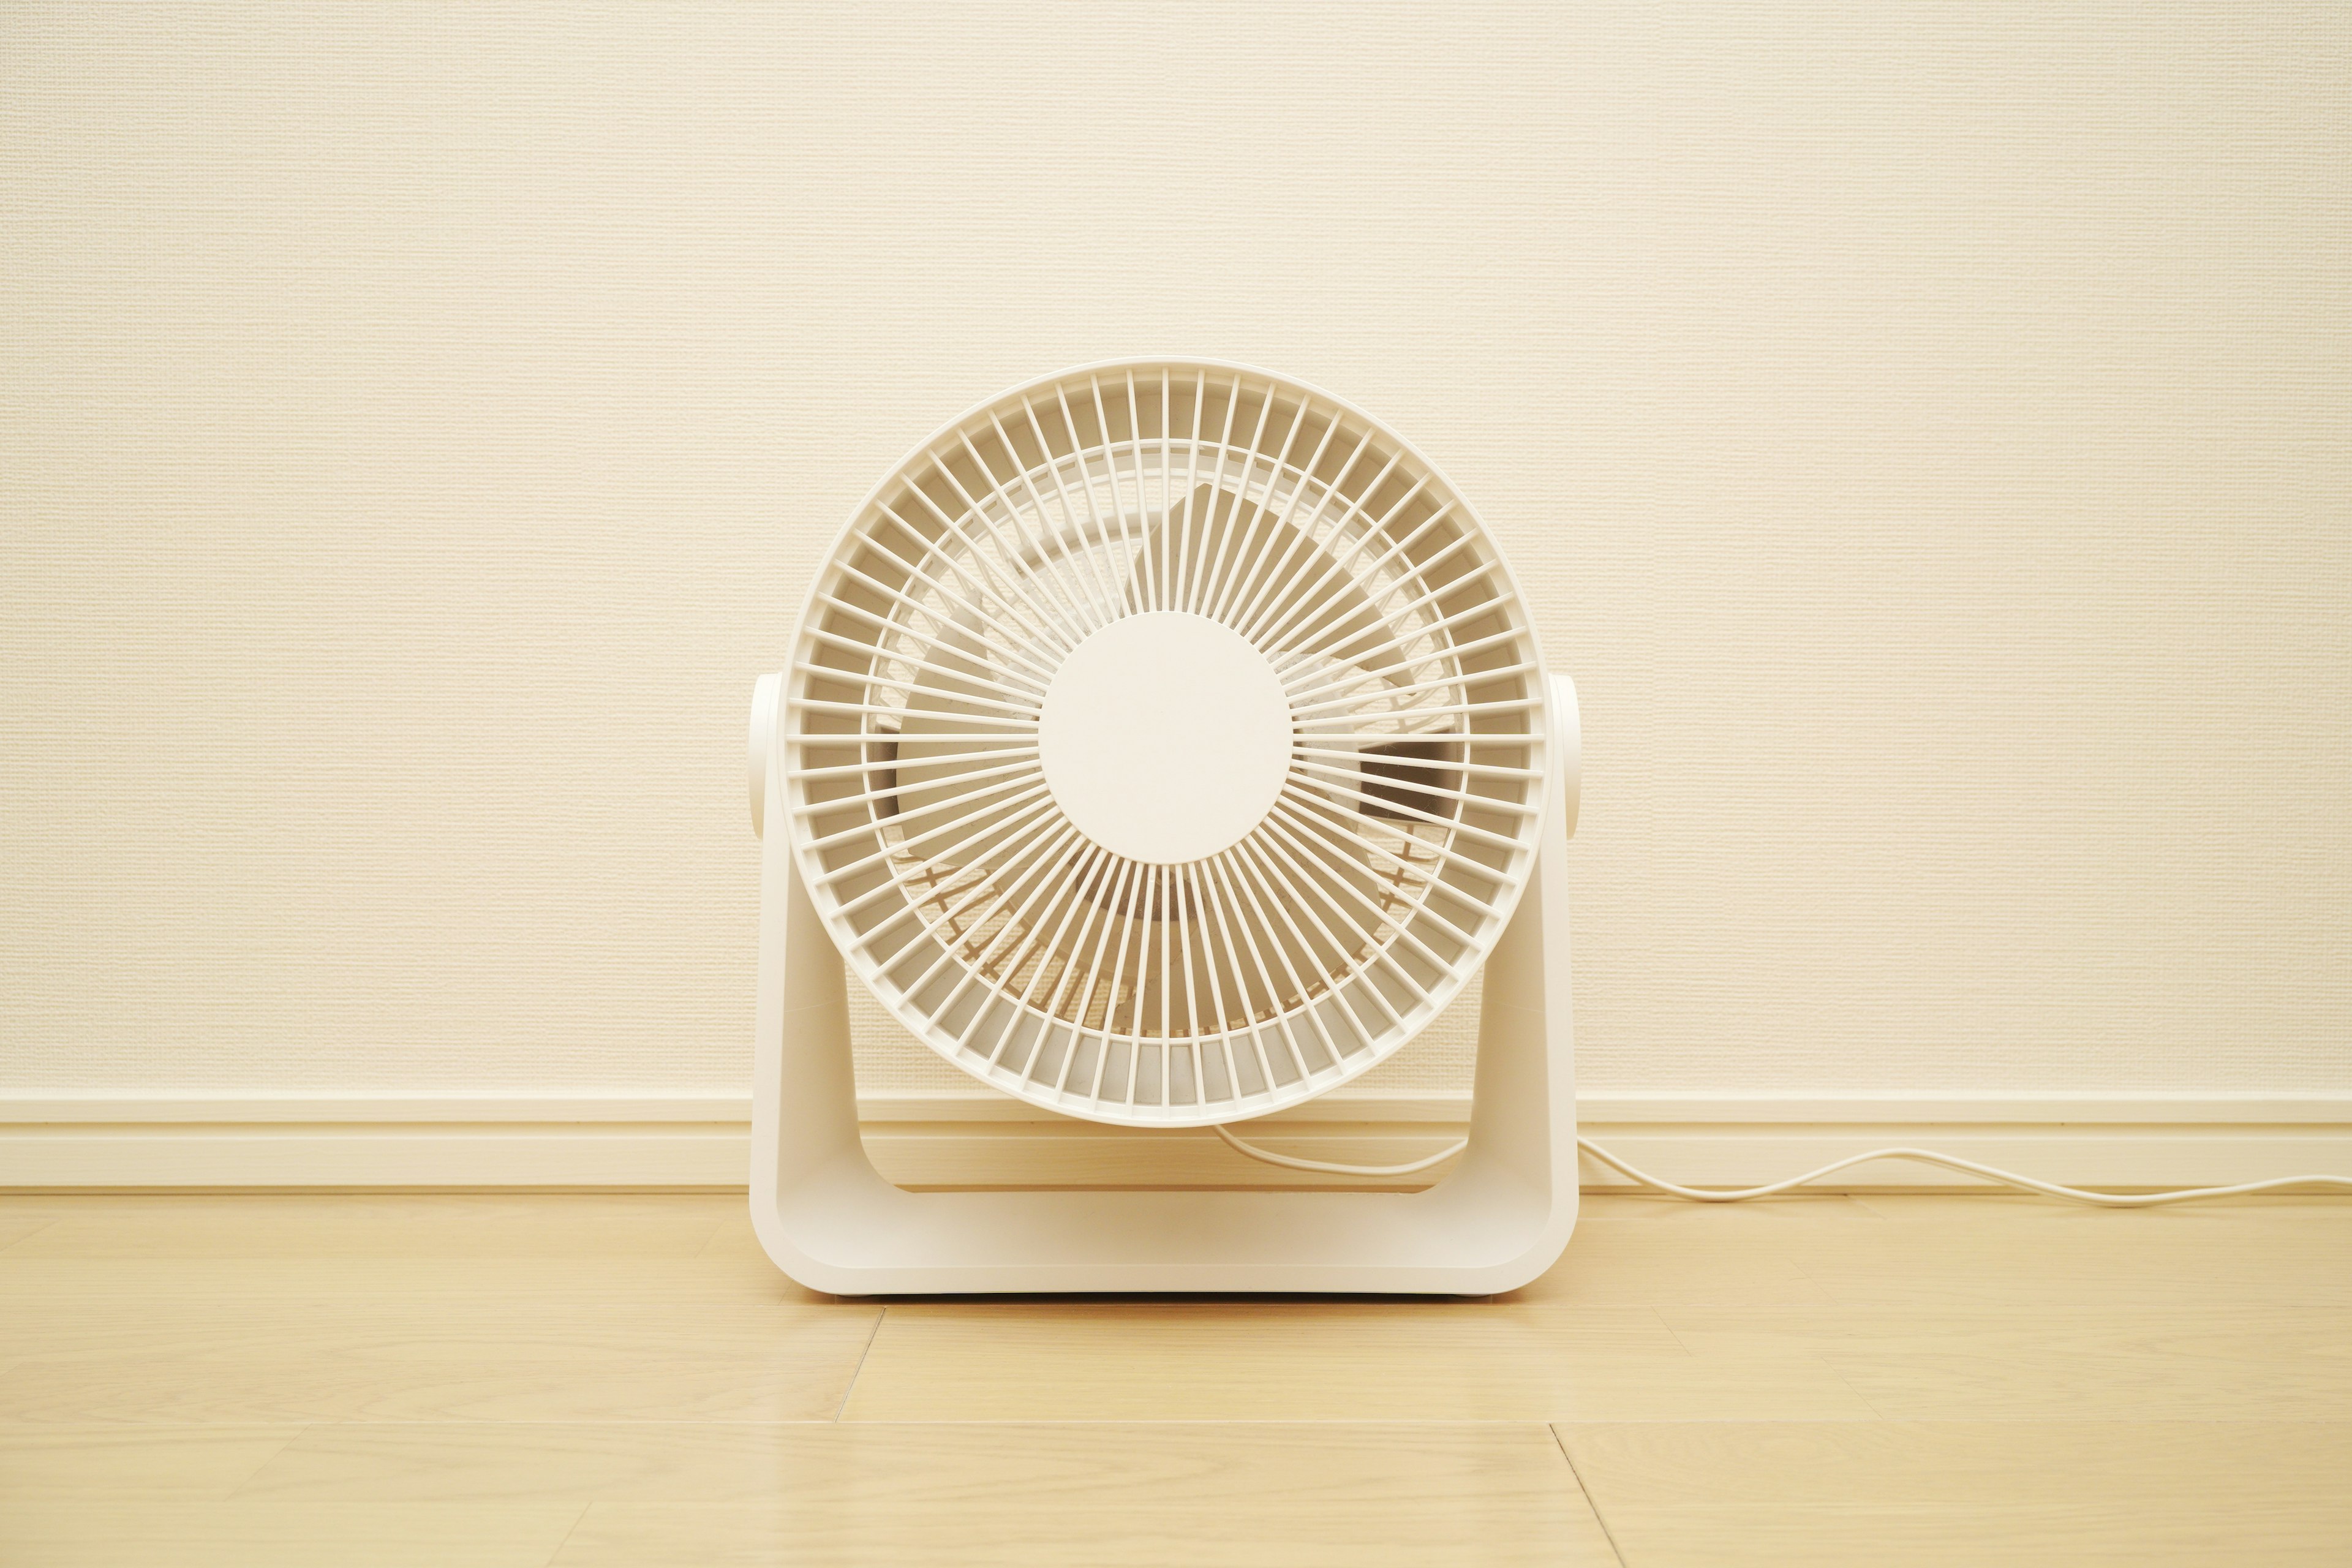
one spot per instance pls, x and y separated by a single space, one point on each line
1164 742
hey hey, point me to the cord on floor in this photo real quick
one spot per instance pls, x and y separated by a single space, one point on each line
1741 1195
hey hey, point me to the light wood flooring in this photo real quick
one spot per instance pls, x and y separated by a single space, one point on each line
513 1381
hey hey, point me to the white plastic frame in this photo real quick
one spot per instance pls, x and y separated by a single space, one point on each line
827 1217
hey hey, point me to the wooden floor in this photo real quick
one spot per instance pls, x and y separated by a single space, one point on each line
594 1379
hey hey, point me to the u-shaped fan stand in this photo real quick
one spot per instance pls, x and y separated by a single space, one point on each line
1499 1218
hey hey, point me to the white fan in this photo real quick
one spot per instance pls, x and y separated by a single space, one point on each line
1165 743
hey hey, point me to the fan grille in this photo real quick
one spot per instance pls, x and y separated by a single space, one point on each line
1052 966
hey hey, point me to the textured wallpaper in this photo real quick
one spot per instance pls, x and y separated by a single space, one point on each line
1922 430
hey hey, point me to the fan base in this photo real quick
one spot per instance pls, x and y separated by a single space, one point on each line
1499 1218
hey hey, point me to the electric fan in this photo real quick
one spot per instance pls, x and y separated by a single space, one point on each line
1165 743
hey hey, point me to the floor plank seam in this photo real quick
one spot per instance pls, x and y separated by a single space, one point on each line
569 1532
1560 1438
300 1432
44 1225
856 1371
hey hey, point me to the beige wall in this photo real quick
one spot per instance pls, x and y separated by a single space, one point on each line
1926 433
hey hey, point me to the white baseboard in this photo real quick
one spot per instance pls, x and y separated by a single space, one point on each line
984 1139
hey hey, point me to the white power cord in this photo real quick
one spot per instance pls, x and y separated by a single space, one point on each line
1741 1195
1271 1158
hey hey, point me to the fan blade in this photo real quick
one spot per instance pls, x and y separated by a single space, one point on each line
1201 553
931 783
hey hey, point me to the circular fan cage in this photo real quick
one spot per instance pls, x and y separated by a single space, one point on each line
1408 791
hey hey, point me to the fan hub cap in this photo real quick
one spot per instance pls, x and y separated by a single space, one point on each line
1165 737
